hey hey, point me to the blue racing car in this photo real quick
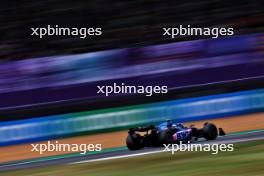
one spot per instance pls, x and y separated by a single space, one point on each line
168 133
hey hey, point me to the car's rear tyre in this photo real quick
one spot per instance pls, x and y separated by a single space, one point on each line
165 137
210 131
134 142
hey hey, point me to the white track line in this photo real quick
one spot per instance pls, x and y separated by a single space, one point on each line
160 151
118 157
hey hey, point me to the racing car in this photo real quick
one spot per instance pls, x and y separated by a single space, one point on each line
169 133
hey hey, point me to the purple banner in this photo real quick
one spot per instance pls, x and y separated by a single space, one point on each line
66 78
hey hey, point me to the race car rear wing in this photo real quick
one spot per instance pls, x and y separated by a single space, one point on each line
140 129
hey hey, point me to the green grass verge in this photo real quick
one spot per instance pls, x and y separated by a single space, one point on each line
247 159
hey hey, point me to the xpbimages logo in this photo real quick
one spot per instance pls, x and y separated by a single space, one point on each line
213 148
65 31
131 89
188 30
61 147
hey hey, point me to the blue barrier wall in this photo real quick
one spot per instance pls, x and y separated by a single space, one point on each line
190 109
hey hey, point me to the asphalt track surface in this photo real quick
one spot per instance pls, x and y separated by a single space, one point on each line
252 136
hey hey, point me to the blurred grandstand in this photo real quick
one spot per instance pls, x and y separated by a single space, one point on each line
125 24
51 78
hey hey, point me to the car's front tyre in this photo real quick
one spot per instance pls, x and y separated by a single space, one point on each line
210 131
